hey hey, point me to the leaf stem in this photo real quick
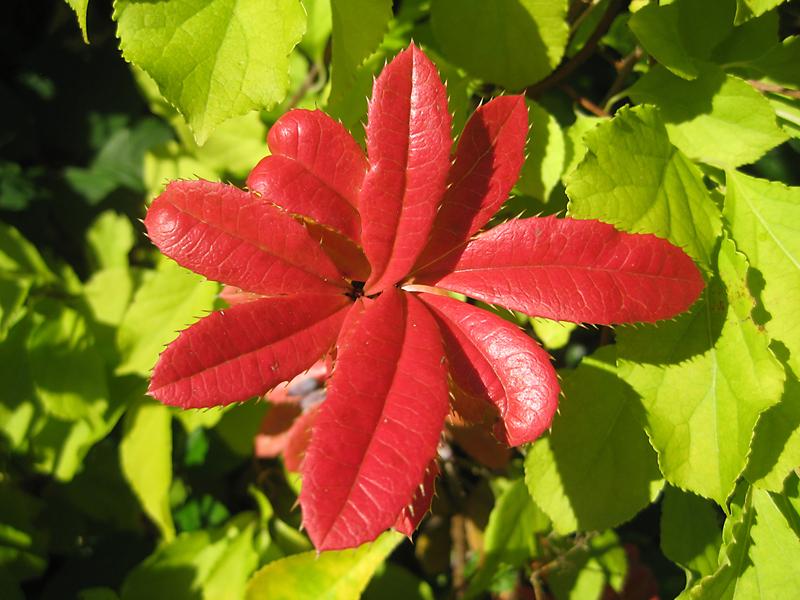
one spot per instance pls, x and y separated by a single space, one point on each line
772 88
567 68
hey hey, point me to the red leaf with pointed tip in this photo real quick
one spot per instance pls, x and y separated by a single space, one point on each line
378 429
237 353
571 270
240 239
408 144
346 254
411 515
488 160
491 358
316 170
299 438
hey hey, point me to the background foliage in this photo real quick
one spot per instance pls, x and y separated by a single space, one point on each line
672 465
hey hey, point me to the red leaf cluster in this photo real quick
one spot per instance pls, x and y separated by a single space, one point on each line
351 256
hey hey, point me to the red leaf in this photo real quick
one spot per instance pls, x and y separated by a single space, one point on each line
238 238
316 170
411 515
276 425
479 443
378 429
234 354
408 143
299 438
489 156
346 254
234 295
570 270
493 359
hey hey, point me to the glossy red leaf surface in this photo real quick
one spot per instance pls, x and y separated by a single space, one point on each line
240 239
488 159
237 353
571 270
378 429
408 144
493 359
411 515
316 170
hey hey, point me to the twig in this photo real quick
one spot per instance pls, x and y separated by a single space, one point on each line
592 5
583 101
774 89
624 67
458 556
567 68
307 84
581 543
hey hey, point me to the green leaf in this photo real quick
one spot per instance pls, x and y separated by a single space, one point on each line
170 162
212 59
574 145
145 454
168 301
704 379
318 30
107 295
510 536
335 575
682 33
18 257
119 162
60 447
748 42
235 146
18 408
690 533
780 63
212 564
110 239
545 154
552 334
718 119
23 550
393 582
239 425
764 218
760 561
67 370
612 474
17 186
80 6
509 42
13 292
589 568
747 9
776 445
358 28
634 178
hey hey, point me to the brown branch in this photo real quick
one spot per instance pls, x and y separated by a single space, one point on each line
308 83
774 89
567 68
624 66
583 101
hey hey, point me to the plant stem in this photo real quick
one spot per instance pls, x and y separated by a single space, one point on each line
568 67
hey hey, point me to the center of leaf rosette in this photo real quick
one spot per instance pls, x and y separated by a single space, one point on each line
356 290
